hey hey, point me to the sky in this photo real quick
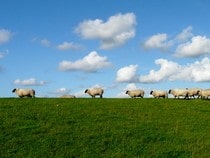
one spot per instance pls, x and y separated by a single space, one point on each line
62 47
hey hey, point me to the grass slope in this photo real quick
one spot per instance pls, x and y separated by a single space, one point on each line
104 128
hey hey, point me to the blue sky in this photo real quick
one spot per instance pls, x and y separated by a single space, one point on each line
62 47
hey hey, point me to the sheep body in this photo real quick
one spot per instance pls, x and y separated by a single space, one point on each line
205 93
24 92
192 92
67 96
95 91
179 93
159 93
135 93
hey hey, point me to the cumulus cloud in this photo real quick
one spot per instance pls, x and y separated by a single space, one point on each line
68 45
116 31
167 68
171 71
158 41
127 74
62 91
185 34
130 86
90 63
29 82
186 44
199 45
5 36
197 71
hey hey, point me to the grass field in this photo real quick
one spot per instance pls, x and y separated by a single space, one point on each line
147 128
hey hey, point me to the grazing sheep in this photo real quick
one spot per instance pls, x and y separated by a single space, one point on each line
179 93
192 92
67 96
135 93
159 93
24 92
205 93
95 91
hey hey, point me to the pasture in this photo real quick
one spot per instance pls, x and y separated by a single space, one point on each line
144 128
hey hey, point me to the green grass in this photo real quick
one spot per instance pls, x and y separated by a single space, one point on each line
147 128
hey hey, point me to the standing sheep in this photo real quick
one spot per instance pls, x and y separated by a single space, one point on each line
179 93
24 92
159 93
95 91
67 96
192 92
135 93
205 93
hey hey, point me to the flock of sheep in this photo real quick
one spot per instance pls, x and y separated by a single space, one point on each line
177 93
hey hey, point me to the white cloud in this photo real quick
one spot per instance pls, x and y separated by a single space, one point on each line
45 42
90 63
167 68
98 86
197 71
172 71
158 41
62 91
130 86
68 45
185 34
5 36
127 74
29 82
116 31
199 45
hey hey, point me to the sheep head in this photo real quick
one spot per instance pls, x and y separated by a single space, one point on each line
13 91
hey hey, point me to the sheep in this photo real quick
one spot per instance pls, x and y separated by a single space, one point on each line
159 93
205 93
95 91
135 93
192 92
24 92
67 96
179 92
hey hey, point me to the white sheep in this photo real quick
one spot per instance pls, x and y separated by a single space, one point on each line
179 93
205 93
24 92
95 91
192 92
159 93
135 93
67 96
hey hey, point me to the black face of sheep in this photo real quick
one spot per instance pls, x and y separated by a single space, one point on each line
169 91
13 91
126 92
151 92
86 90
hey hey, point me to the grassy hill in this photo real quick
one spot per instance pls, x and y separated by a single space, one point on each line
104 128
